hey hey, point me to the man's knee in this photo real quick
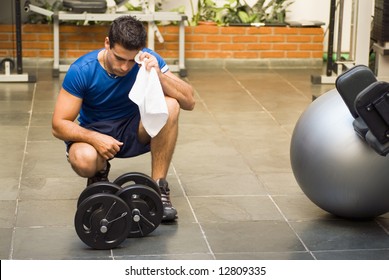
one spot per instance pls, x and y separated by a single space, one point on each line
173 108
83 160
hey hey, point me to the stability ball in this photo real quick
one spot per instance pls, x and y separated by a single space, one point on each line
333 166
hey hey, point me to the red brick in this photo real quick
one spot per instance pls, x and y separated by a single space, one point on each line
194 38
285 47
272 54
200 41
299 39
195 54
313 31
259 46
220 54
245 54
218 39
298 55
233 47
203 29
272 38
233 30
285 30
245 39
205 46
259 30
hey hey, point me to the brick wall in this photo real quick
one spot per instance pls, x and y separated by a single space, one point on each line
202 42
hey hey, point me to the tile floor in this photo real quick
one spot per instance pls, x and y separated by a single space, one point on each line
231 178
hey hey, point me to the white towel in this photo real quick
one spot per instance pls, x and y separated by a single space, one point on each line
147 93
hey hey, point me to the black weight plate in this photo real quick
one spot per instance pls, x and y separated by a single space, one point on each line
103 221
146 209
98 187
137 178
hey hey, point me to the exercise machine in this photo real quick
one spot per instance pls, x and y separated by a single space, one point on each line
8 64
88 13
359 50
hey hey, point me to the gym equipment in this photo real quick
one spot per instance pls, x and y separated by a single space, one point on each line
81 12
7 64
339 147
136 178
380 36
349 85
146 208
108 213
359 49
333 166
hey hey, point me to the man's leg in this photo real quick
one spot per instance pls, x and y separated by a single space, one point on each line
162 149
87 163
162 146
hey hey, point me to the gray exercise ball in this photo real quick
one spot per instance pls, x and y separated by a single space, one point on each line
335 168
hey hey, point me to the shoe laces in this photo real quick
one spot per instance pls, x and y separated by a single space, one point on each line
165 191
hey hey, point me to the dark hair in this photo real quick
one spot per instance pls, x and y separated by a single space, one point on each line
128 32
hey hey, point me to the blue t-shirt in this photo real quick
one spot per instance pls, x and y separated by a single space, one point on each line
103 97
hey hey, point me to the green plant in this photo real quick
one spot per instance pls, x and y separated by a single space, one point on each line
206 11
35 18
239 12
278 11
236 12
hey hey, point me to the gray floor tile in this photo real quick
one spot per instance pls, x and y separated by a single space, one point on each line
45 188
250 237
230 179
341 235
237 208
222 184
5 242
9 188
37 213
52 243
266 256
167 240
379 254
280 183
300 208
7 213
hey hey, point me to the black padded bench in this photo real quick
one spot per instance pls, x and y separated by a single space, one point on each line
89 6
368 102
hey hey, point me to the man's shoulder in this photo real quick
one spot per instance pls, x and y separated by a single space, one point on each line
89 59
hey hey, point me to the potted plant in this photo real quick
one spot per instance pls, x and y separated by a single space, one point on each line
278 11
238 12
207 13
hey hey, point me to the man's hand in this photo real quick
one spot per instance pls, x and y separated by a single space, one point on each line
106 145
149 61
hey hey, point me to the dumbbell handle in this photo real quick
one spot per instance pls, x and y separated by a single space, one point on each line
136 215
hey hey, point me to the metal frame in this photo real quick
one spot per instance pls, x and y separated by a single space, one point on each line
149 15
359 41
8 63
150 18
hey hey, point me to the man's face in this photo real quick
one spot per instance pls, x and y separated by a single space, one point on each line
118 60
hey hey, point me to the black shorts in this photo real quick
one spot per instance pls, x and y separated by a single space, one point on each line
123 130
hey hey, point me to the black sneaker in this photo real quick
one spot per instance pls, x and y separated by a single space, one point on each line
101 176
169 212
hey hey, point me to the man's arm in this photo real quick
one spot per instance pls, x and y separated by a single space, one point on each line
178 89
66 111
172 85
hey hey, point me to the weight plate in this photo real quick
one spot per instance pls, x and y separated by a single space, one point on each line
103 221
146 209
137 178
98 187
